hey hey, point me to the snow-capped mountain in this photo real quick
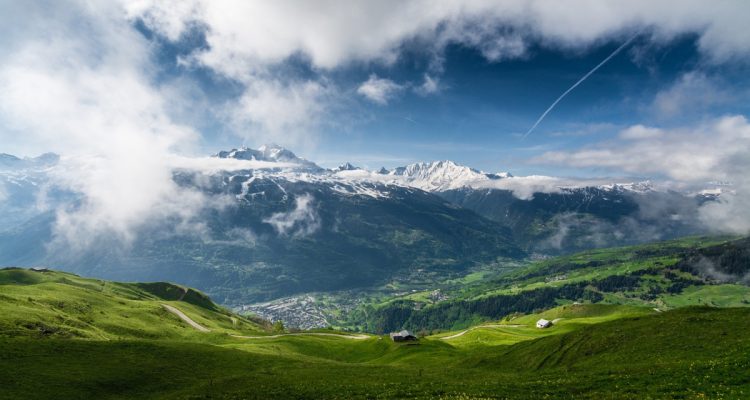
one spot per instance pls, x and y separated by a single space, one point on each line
8 161
435 176
439 176
276 229
270 153
635 187
347 167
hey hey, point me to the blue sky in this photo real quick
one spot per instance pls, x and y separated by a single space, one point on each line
380 84
481 107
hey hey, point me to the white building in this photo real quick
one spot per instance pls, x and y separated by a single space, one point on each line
543 323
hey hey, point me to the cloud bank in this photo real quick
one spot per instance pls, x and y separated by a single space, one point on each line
718 150
303 220
80 78
331 34
250 42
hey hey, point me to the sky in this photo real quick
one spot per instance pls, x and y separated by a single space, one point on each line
128 90
384 83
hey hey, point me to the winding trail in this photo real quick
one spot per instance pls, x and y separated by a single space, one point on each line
185 318
350 337
459 334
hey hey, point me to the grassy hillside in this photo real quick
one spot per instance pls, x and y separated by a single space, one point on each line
62 305
702 355
63 336
691 271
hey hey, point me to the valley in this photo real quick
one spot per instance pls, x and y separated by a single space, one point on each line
374 200
273 228
607 337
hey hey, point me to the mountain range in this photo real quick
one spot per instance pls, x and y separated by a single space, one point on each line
295 227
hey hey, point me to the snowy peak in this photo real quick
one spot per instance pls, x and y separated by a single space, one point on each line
270 153
9 161
274 152
637 187
441 175
347 167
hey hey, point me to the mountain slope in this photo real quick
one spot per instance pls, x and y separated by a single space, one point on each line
276 234
703 356
51 304
291 227
576 219
695 271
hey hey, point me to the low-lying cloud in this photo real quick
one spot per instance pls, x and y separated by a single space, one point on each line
718 150
80 79
303 220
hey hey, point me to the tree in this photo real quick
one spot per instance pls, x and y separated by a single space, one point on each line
278 327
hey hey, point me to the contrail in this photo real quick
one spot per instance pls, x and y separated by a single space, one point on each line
614 53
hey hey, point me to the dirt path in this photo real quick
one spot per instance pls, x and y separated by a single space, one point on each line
185 318
459 334
350 337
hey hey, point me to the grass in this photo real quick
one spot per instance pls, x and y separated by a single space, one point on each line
728 295
654 275
701 355
58 304
515 329
63 336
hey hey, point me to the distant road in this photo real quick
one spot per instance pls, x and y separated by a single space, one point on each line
185 318
351 337
477 327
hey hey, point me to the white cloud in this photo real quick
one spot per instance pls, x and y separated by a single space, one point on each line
248 41
732 212
78 78
692 91
637 132
715 151
301 221
696 154
284 112
85 90
209 165
379 90
431 85
332 34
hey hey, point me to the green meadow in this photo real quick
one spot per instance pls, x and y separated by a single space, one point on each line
63 336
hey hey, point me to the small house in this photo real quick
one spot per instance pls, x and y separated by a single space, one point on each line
39 269
403 336
543 323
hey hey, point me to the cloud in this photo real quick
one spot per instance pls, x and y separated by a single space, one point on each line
718 150
638 132
379 90
255 43
284 112
210 165
331 34
431 85
80 79
694 154
692 91
732 212
301 221
86 91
